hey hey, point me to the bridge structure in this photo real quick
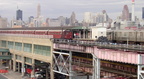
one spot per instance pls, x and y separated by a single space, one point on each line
74 58
114 61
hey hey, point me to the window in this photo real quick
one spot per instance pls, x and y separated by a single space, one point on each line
18 57
27 47
10 44
125 34
18 46
28 60
3 43
42 50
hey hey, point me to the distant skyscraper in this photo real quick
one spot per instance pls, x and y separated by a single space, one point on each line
3 22
133 10
73 18
143 13
125 13
19 15
38 10
31 19
88 17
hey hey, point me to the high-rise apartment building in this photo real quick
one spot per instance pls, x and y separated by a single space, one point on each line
94 18
3 22
125 13
38 11
19 14
143 13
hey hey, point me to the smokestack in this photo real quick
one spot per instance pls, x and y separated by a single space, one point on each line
133 10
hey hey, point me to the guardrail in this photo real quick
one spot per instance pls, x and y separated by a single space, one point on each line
125 47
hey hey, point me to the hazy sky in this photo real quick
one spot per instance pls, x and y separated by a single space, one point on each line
55 8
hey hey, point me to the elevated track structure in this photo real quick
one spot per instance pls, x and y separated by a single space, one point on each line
100 60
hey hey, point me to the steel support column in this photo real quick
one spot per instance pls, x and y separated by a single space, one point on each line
62 63
96 68
70 64
140 66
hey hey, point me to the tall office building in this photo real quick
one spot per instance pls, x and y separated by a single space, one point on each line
19 15
125 13
133 10
38 11
3 22
73 18
143 13
31 18
88 17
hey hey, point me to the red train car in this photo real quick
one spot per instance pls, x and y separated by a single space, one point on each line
55 32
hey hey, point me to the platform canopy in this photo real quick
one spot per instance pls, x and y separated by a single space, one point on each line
80 27
6 56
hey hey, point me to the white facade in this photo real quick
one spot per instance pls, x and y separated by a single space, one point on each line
88 17
98 31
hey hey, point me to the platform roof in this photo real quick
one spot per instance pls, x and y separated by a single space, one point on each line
80 27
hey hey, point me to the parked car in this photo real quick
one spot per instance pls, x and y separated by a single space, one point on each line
38 75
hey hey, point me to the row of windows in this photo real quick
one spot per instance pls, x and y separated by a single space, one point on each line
30 32
38 49
42 50
28 60
130 33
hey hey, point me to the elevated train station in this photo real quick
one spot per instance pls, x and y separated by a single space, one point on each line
76 57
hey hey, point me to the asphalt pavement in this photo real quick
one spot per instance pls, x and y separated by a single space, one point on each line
11 74
2 77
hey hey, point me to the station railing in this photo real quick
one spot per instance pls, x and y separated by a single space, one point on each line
106 45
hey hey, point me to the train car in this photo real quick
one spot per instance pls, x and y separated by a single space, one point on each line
17 31
41 32
67 34
28 31
56 32
130 36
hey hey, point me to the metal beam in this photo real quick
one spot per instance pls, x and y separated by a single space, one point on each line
140 67
96 67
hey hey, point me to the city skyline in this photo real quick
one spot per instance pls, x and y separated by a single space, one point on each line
53 8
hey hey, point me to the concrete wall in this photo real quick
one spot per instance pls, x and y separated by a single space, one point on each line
38 41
